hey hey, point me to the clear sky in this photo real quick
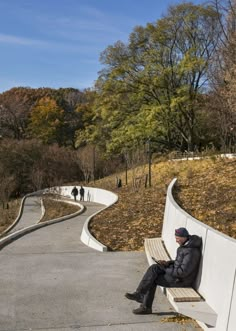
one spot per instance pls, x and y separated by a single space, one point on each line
57 43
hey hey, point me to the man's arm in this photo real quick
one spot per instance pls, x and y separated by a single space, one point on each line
163 262
187 266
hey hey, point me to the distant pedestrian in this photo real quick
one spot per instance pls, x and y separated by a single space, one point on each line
75 192
81 191
119 183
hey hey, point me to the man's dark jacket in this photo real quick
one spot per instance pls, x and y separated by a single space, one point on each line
183 270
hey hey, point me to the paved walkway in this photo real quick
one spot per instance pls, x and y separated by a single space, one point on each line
50 281
32 213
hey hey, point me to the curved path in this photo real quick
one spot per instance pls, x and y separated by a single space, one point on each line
50 281
32 213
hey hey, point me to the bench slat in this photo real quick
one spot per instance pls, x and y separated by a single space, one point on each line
154 247
181 294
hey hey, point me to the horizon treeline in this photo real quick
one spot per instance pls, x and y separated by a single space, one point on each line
172 85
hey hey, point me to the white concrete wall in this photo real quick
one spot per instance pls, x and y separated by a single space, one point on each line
217 275
92 194
17 234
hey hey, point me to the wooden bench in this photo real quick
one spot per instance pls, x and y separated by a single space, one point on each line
185 300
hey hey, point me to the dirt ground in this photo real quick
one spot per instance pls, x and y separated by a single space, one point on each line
206 189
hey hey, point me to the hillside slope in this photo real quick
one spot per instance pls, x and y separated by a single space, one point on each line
206 189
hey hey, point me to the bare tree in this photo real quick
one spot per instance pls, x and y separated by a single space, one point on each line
136 161
86 157
37 178
8 185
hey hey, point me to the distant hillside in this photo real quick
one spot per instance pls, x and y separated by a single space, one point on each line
206 189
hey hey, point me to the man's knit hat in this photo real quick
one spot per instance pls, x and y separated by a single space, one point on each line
182 232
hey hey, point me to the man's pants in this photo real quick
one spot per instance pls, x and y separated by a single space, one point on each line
154 276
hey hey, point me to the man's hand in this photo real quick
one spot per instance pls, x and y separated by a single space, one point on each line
163 262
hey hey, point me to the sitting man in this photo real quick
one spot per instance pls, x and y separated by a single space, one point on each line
180 272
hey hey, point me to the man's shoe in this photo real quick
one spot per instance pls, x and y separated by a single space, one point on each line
142 311
134 296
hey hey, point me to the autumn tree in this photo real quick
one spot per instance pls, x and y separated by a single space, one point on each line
85 113
70 100
29 165
150 87
15 106
222 102
46 121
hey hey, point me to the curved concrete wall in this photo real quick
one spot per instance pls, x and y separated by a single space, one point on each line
19 214
92 194
17 234
216 281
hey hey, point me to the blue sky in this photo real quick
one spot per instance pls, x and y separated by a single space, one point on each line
57 43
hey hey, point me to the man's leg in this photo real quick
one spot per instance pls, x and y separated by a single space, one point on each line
149 297
149 279
146 290
146 305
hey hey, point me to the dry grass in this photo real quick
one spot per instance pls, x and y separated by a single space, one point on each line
57 208
206 189
53 209
8 216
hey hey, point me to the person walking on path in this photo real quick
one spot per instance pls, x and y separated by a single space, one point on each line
81 191
180 272
75 192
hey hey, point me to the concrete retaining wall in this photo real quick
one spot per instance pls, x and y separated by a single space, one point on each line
17 234
216 281
96 195
19 214
92 194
